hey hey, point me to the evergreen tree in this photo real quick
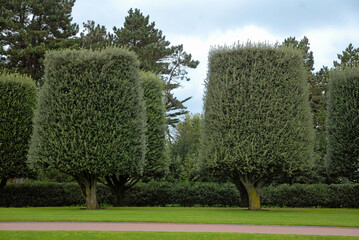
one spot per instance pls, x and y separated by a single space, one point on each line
29 28
156 55
155 165
95 36
343 124
257 121
90 121
348 58
18 96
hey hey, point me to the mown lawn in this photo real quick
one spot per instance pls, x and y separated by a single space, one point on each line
99 235
269 216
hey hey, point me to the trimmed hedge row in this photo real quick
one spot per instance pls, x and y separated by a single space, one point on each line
40 194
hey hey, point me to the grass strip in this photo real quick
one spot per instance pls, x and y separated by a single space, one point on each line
270 216
101 235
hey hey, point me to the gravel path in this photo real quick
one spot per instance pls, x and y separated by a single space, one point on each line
178 227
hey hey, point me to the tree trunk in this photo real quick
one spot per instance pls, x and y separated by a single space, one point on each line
253 191
119 185
119 197
242 193
87 184
2 183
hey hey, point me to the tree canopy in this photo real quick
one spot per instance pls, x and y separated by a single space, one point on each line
18 96
90 120
257 121
30 28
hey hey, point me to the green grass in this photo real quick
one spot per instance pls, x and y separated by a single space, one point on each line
270 216
98 235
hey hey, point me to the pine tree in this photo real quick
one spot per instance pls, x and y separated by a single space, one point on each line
156 55
348 58
95 36
29 28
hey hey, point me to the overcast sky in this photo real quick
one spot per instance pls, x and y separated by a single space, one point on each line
330 26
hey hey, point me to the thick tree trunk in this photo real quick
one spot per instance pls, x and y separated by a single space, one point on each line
119 197
119 185
242 193
2 183
87 184
253 191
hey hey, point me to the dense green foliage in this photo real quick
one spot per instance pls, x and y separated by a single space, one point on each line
343 124
30 28
257 121
155 166
90 120
40 194
184 151
18 96
156 126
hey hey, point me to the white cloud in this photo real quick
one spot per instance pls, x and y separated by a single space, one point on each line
326 43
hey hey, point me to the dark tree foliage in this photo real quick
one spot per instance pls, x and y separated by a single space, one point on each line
257 121
155 166
348 58
156 55
90 120
144 39
343 124
95 36
29 28
18 96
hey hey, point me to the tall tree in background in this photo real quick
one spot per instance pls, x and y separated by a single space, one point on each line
185 149
348 58
317 97
343 124
156 55
95 36
29 28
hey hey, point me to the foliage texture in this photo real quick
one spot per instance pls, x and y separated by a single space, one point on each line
343 124
90 119
257 121
18 95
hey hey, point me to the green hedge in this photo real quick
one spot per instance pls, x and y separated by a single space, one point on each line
39 194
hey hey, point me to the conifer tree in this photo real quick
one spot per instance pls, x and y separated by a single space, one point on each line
156 55
18 96
29 28
257 121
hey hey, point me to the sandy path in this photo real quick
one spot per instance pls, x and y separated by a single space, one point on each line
178 227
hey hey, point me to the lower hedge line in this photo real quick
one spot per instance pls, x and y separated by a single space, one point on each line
40 194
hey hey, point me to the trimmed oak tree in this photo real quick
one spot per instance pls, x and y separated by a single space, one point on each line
155 165
343 124
257 120
90 120
18 96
